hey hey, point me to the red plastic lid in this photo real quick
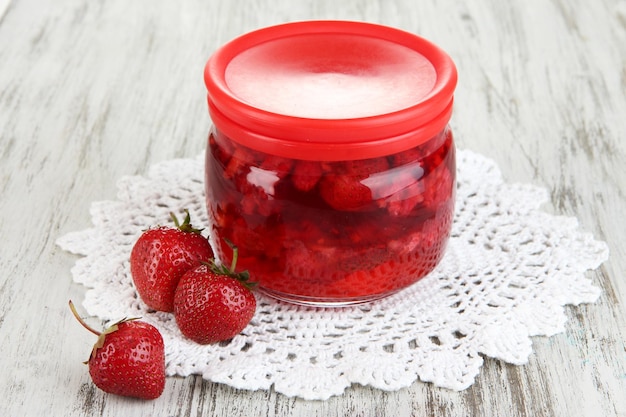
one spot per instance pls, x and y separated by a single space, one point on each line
330 90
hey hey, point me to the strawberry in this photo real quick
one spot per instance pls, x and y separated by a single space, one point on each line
406 190
344 192
345 189
364 167
278 165
306 174
128 359
161 256
239 163
213 303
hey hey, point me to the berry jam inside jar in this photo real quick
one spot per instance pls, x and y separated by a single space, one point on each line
330 164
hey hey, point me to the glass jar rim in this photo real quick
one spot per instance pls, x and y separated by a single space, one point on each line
331 139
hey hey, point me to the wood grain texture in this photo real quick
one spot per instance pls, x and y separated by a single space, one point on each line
92 91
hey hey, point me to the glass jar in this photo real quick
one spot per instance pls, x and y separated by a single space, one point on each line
330 164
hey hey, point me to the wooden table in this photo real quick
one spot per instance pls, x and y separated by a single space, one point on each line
92 91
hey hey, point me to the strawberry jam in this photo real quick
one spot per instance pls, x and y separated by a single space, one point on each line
330 164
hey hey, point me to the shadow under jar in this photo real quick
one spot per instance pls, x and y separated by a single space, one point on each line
330 164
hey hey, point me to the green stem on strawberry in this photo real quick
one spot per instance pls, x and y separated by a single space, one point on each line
81 321
101 335
233 264
185 226
243 277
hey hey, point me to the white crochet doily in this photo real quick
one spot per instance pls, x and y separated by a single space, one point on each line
508 271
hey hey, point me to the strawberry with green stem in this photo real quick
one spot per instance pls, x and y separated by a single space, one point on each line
214 303
128 358
161 256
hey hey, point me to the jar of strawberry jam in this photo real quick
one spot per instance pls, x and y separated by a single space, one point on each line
330 164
